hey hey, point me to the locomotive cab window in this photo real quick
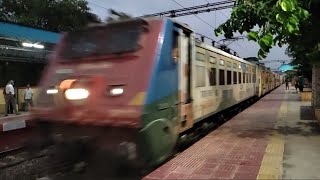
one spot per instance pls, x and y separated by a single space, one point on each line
175 47
95 41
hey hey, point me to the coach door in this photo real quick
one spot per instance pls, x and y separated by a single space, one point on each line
185 54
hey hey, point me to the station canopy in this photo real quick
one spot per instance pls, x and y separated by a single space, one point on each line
24 43
285 67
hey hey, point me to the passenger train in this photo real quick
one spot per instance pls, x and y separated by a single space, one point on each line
137 88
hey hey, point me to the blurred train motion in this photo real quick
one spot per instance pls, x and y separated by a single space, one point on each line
138 88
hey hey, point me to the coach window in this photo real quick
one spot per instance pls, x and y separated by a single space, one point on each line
244 78
228 77
229 64
252 76
234 65
240 79
212 77
221 77
200 76
221 62
200 56
212 60
235 78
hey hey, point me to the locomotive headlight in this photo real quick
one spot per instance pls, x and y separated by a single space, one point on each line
76 94
116 91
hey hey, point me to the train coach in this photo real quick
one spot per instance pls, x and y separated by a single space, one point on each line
137 88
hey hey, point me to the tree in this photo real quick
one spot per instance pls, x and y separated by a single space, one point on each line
255 59
53 15
279 21
292 22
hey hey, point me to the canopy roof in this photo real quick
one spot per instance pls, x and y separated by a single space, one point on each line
285 67
21 32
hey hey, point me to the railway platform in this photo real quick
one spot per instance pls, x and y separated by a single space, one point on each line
275 138
14 131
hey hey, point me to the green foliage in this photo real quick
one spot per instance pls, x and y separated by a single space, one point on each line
255 59
278 21
54 15
253 36
305 47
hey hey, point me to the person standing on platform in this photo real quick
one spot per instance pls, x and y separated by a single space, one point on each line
295 83
10 98
301 83
28 94
287 84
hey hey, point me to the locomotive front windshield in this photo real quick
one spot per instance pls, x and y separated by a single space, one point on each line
102 40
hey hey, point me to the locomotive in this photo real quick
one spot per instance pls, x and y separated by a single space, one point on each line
138 87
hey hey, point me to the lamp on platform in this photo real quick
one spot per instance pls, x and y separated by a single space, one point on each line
36 45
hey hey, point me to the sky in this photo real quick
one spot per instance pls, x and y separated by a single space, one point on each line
202 23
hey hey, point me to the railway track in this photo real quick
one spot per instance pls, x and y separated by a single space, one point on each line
11 152
17 156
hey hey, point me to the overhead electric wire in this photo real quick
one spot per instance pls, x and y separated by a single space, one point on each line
97 5
207 24
194 14
228 18
193 10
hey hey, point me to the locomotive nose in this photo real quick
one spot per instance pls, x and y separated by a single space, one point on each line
78 90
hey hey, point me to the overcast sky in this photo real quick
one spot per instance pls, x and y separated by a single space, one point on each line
202 23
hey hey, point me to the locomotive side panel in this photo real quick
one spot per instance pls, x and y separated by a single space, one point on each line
160 118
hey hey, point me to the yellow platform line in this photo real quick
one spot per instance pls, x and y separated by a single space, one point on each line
271 165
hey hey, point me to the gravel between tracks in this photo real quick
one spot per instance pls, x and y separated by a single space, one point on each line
31 169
